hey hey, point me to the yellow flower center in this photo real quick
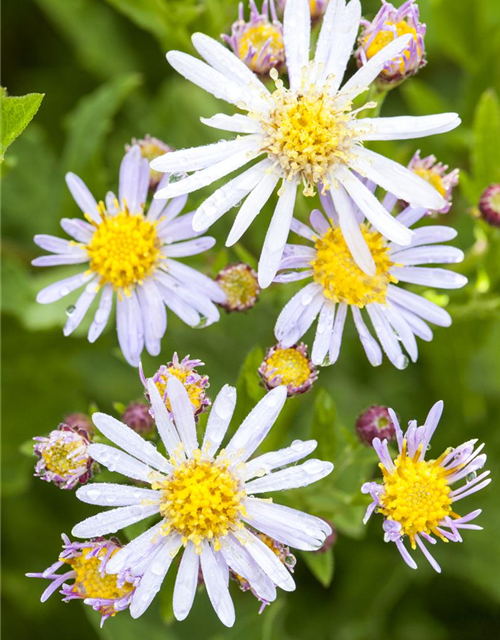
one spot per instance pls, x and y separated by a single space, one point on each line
90 582
433 178
386 36
417 495
341 278
201 500
63 457
291 365
255 38
194 390
124 249
240 286
306 135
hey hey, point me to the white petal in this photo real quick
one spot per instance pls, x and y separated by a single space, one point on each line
302 230
238 123
301 475
107 494
397 179
252 207
380 218
62 288
130 441
288 526
197 158
218 421
216 587
427 235
405 127
266 559
213 81
323 333
187 276
297 34
102 313
337 333
112 521
180 307
276 459
257 424
277 234
410 215
242 563
130 328
138 548
329 29
287 322
205 177
225 61
190 247
370 345
182 410
342 38
418 326
81 231
420 306
386 336
80 308
229 195
82 196
403 330
119 462
166 429
154 315
58 259
153 578
428 255
186 582
57 245
134 180
430 277
352 232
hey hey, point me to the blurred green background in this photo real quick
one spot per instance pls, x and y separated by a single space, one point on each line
102 69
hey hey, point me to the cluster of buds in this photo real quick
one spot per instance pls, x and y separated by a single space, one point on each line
389 24
258 42
284 555
239 283
436 174
489 205
185 371
63 456
86 561
151 148
290 367
375 422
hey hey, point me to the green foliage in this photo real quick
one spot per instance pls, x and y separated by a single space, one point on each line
17 112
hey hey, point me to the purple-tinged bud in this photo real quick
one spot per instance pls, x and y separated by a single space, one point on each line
63 457
290 367
137 417
151 148
435 174
375 422
258 42
240 284
80 422
489 205
389 24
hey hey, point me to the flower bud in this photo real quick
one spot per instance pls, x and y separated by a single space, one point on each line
137 417
489 205
290 367
375 422
239 283
80 421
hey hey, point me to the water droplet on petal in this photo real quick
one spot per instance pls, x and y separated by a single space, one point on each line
70 310
470 477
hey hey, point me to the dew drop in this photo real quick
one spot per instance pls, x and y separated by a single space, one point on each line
470 477
70 310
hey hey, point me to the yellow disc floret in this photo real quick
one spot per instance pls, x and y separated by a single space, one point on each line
255 38
386 36
290 365
64 457
306 135
201 500
91 581
339 275
124 249
417 495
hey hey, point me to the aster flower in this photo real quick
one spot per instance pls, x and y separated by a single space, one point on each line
309 134
281 551
63 457
398 316
375 422
290 367
435 173
137 417
184 370
417 498
239 283
151 148
205 498
258 42
489 205
133 255
389 24
87 562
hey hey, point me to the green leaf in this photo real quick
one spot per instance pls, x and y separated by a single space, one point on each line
321 565
422 99
486 151
324 426
17 113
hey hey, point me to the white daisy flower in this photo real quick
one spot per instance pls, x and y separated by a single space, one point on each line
416 497
132 254
309 134
206 497
398 316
